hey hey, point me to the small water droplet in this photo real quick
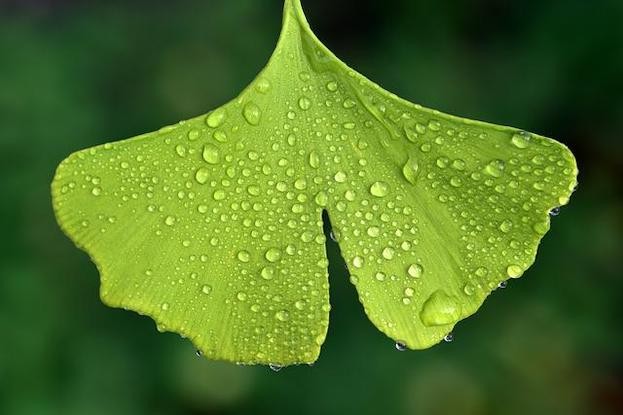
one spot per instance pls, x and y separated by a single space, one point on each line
282 315
206 289
198 353
219 195
374 231
96 191
554 212
401 347
379 189
503 284
252 113
169 221
275 367
449 338
241 296
332 86
506 226
164 306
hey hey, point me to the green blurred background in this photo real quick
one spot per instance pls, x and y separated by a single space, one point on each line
77 74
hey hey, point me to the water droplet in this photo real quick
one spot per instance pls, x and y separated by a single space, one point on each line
388 253
449 338
267 273
169 221
96 191
506 226
241 296
332 86
263 85
379 189
206 289
401 347
374 231
503 284
314 159
193 135
554 212
244 256
202 175
219 195
211 153
521 139
440 309
340 177
415 270
410 170
164 306
252 113
358 262
275 367
198 353
273 255
282 315
304 103
514 271
495 168
321 199
220 136
469 289
216 118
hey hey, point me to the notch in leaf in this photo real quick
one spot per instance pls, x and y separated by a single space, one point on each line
213 226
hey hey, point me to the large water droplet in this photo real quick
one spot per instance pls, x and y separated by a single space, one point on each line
216 118
514 271
252 113
211 154
495 168
521 139
202 175
282 315
410 170
321 199
304 103
415 270
244 256
314 159
440 309
379 189
273 255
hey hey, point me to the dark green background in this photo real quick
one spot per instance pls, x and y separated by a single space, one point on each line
76 74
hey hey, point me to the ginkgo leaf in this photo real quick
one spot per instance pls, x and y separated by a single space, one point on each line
213 226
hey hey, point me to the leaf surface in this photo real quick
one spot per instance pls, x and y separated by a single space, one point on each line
213 226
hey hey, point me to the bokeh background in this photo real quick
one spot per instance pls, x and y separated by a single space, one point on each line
77 74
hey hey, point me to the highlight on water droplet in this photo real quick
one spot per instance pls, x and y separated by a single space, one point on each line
415 270
521 139
400 346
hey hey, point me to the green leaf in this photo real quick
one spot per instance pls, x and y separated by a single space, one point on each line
213 226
